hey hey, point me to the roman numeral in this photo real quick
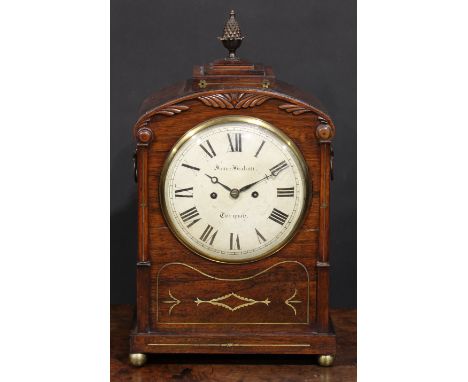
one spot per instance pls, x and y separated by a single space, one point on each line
278 216
190 214
260 237
259 149
237 146
206 234
285 192
210 153
279 167
190 167
232 242
184 193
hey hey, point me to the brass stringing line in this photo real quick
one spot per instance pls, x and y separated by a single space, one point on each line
216 301
222 279
175 302
233 323
241 279
240 83
145 212
290 301
232 344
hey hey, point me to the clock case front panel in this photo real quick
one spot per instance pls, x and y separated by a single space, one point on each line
187 303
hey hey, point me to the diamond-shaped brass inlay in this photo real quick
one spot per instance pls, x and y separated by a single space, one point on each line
236 299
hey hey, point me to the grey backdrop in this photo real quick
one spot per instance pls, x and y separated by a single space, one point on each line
309 43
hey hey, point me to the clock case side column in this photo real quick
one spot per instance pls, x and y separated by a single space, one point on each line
144 137
324 134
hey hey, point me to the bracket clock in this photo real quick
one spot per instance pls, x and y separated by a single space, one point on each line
233 169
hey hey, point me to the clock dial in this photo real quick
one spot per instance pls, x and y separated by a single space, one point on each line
234 189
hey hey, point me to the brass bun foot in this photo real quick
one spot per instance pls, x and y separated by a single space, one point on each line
326 360
137 359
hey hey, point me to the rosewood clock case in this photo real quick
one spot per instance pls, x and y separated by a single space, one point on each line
190 304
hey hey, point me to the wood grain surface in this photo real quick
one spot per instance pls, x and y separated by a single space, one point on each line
232 368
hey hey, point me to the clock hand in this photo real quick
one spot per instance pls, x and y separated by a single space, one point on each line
252 184
274 173
215 180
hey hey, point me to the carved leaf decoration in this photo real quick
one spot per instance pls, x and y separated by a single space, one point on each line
172 110
234 100
295 109
217 100
144 123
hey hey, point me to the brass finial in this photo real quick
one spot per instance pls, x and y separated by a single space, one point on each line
232 37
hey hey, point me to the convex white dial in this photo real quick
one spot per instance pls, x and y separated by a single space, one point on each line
234 189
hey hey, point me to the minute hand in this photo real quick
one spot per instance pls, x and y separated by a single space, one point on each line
252 184
273 173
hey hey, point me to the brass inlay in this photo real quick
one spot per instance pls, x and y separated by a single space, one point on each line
265 84
239 279
233 345
217 302
174 301
290 301
143 264
322 264
202 84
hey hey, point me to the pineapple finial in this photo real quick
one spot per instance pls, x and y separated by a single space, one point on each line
232 37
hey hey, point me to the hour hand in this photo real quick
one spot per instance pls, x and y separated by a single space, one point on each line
215 180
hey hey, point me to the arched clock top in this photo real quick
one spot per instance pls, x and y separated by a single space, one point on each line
235 99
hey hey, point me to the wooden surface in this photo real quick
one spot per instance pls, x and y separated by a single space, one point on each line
239 368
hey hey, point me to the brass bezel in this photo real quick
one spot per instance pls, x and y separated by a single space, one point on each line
246 119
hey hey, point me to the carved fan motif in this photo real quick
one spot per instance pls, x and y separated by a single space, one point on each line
234 100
